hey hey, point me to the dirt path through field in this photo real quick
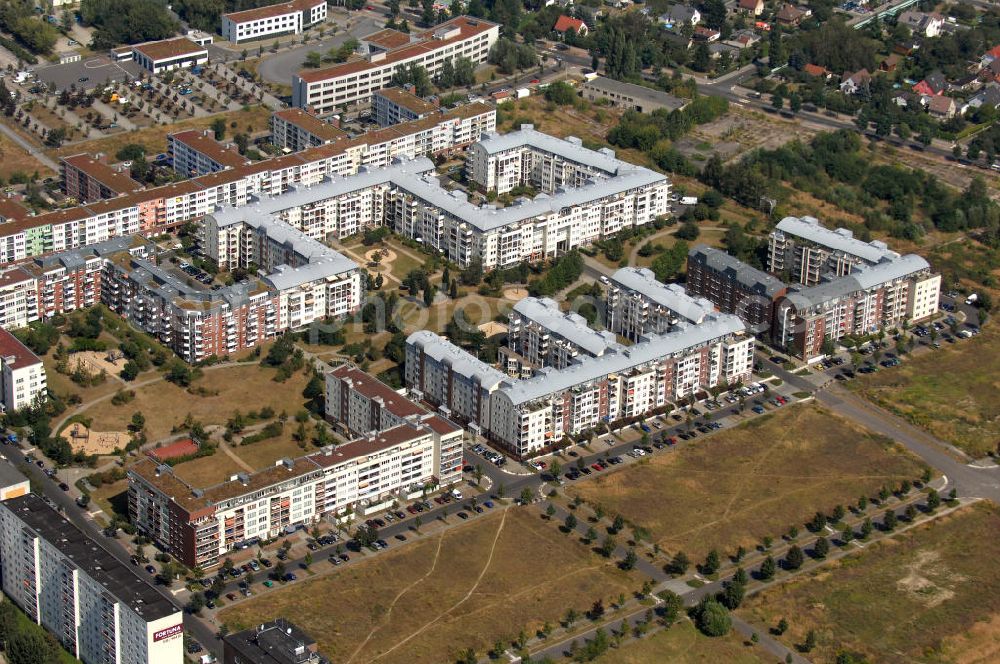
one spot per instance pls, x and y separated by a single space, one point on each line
396 599
475 586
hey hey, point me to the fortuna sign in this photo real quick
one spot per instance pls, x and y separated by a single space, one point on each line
167 633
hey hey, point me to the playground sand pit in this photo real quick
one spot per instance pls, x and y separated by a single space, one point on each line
82 439
515 294
387 257
95 362
493 328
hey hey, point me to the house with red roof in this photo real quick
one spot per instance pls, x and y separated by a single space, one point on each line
752 7
565 23
817 71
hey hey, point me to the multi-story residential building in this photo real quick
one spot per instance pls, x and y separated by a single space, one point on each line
286 18
806 252
275 642
88 179
869 299
361 405
357 403
385 52
527 416
526 157
458 384
293 129
541 335
18 298
196 152
305 281
639 304
392 106
733 286
165 55
97 607
12 483
22 374
155 210
200 525
578 211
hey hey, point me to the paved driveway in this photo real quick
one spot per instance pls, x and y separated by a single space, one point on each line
96 70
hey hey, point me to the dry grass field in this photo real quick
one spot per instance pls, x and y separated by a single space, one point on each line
931 594
428 600
244 388
757 480
684 644
14 158
960 405
154 139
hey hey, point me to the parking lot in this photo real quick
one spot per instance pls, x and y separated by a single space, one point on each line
87 74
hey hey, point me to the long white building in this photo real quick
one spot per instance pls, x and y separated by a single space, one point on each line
97 607
528 416
640 304
156 210
200 525
386 51
286 18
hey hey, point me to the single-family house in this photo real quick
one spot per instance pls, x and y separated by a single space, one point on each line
791 15
932 85
702 33
988 96
816 71
751 7
566 23
907 99
679 15
919 23
743 39
716 50
851 84
941 106
890 62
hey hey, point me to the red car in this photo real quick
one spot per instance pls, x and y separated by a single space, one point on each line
596 466
534 81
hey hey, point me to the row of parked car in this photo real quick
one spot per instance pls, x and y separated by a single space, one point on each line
494 457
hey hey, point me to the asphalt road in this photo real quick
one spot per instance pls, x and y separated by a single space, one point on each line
280 67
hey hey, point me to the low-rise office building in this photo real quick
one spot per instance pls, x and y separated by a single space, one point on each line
22 374
385 52
541 335
275 642
630 96
638 304
733 286
392 106
806 252
165 55
196 152
286 18
200 526
97 607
